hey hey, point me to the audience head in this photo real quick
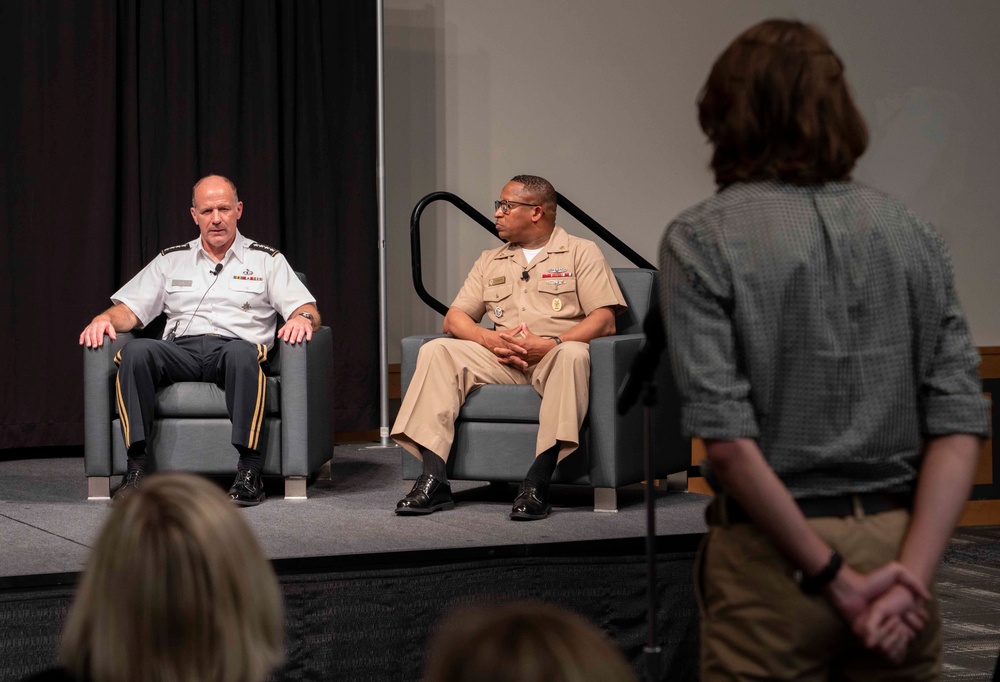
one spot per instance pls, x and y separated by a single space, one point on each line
522 641
776 106
176 589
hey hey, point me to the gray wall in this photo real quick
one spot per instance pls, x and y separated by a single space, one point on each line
598 96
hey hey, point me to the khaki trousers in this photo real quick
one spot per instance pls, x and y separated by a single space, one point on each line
449 369
756 624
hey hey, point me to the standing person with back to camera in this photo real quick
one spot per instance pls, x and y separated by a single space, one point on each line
821 353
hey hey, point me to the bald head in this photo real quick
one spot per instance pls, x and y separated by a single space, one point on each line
232 186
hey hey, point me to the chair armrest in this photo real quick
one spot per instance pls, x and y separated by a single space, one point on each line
617 441
306 377
614 438
99 372
409 348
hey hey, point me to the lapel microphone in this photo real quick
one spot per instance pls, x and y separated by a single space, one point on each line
524 275
217 270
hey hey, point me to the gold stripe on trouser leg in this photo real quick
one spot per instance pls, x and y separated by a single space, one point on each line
122 413
258 413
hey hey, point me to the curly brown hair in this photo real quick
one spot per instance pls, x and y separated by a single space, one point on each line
776 106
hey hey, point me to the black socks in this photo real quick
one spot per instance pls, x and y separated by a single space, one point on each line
544 466
434 465
540 472
250 460
136 455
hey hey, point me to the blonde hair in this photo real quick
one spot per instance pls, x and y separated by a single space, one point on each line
522 641
177 589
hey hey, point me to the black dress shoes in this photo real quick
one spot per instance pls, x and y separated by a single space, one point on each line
428 495
247 490
130 483
531 502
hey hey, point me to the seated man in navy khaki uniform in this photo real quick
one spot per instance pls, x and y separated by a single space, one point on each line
222 294
546 295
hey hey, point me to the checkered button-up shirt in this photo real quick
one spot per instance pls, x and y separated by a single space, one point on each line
823 323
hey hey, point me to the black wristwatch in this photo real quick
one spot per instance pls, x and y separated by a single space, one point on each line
815 583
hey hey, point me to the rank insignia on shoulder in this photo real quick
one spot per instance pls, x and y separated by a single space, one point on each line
179 247
257 246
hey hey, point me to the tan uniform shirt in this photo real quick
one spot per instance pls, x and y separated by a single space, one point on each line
567 280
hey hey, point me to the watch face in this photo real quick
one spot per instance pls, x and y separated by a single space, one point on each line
308 316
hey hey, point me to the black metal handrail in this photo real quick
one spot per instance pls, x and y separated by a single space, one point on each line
487 224
604 233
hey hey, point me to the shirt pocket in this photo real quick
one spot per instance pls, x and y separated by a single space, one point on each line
558 297
248 286
495 299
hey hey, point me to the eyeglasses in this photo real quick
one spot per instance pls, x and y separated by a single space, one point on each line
505 206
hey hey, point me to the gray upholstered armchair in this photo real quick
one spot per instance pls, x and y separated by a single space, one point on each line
496 428
192 430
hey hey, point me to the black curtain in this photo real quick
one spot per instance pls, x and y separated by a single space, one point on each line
112 110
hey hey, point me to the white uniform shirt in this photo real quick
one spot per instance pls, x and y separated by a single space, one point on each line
243 301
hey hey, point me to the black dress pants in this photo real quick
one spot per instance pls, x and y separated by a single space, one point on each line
235 365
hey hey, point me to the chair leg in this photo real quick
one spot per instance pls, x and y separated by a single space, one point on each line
324 471
295 487
98 487
605 499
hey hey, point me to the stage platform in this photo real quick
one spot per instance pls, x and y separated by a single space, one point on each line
363 586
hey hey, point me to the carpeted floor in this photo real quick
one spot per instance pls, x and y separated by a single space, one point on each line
969 590
47 526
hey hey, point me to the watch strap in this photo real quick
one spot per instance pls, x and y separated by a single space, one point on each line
815 583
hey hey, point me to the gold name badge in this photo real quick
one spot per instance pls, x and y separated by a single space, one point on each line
497 280
556 304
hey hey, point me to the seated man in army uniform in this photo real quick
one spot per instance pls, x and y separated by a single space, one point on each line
215 332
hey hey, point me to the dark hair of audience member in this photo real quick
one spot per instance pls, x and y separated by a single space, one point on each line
776 106
522 641
177 589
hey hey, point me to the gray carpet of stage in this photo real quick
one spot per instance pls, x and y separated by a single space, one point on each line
362 586
47 525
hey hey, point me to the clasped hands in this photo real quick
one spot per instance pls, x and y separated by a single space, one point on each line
520 347
886 608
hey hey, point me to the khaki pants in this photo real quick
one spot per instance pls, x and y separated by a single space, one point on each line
756 624
449 369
